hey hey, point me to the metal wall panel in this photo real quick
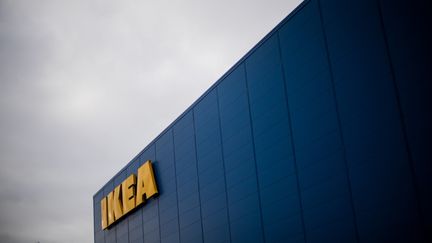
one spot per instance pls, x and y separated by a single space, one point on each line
276 166
382 184
324 183
168 204
98 233
215 218
406 25
187 180
240 166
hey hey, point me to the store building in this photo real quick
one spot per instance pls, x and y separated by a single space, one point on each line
321 133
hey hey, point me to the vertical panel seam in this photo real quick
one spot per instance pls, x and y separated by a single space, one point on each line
115 231
142 222
142 209
344 154
401 116
223 162
291 138
198 180
254 154
128 230
160 236
175 179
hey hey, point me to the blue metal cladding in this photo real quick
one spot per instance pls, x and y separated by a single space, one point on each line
325 188
211 170
370 124
272 136
321 133
187 180
408 41
240 166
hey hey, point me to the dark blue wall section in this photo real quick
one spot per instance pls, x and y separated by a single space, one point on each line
406 25
187 180
276 166
211 169
240 166
324 183
167 183
99 235
321 133
385 201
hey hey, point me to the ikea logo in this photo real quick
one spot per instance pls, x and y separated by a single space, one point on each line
131 193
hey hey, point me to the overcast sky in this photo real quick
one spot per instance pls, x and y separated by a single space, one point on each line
86 84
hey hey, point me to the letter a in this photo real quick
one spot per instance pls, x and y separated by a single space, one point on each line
146 183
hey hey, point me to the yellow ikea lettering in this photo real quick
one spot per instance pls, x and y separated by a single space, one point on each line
110 199
104 213
129 186
146 186
131 193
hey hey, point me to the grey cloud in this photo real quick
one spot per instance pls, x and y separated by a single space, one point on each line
6 238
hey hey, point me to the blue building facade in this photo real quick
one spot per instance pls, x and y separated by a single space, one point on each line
321 133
